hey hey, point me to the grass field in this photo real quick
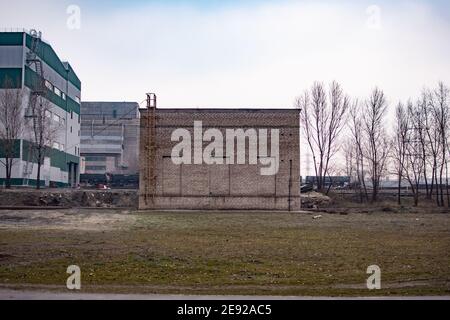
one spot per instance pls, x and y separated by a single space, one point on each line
226 253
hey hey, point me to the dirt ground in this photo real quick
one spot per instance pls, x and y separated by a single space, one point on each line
309 253
66 219
68 198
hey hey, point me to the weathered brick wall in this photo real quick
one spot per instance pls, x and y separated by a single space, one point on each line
215 187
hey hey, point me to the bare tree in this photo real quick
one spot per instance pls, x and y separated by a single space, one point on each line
349 154
400 144
440 108
442 94
414 162
11 125
43 130
322 117
377 145
421 121
446 170
431 139
357 138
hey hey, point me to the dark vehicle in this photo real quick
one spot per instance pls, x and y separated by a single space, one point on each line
306 188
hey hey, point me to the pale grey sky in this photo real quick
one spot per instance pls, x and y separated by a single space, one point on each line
257 54
232 54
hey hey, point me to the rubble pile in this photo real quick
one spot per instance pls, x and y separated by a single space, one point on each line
69 198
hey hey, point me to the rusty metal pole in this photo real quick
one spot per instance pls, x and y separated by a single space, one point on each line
150 175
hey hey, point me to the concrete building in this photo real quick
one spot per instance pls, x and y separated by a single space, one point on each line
110 137
30 63
227 184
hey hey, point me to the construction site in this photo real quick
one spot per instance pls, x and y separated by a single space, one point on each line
226 186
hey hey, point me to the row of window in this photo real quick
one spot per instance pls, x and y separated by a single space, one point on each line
59 119
95 158
58 146
61 147
50 86
55 117
96 168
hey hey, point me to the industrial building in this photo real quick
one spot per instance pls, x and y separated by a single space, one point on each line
30 64
110 137
228 181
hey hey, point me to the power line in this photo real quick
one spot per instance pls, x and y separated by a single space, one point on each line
107 125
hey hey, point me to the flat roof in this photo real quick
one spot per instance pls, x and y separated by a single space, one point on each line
224 110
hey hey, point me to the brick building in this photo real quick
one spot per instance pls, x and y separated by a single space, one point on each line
228 185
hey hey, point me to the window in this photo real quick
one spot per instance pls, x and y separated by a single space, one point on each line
62 147
96 158
63 95
48 85
70 129
57 91
96 168
56 117
78 100
114 114
55 145
71 114
48 114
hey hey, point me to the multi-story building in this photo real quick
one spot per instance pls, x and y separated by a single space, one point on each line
33 66
109 137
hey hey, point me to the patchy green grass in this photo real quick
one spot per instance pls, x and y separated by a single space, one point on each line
237 253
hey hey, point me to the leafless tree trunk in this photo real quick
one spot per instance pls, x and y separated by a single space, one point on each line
439 103
413 166
446 165
421 124
446 183
377 146
349 153
431 137
356 127
43 130
11 125
400 144
322 118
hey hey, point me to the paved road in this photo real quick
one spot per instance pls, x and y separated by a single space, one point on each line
7 294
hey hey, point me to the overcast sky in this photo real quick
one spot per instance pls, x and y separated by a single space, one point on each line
243 53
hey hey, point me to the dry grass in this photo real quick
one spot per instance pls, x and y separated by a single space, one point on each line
230 253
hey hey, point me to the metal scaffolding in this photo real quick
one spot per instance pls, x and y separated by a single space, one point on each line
37 91
150 150
33 59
